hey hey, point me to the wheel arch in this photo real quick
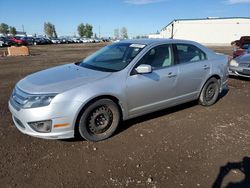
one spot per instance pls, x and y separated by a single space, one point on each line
91 101
211 76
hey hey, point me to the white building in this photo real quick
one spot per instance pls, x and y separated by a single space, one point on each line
208 31
155 36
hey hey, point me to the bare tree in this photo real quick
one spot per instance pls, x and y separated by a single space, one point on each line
54 31
124 33
49 29
116 34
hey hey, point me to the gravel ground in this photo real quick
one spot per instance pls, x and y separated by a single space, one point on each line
184 146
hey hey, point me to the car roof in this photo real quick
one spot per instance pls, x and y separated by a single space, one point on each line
154 41
149 42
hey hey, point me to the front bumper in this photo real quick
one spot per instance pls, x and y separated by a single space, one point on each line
59 113
239 71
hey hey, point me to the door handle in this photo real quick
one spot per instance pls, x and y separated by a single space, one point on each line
171 75
206 67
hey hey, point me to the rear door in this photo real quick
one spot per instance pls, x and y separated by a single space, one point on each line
194 69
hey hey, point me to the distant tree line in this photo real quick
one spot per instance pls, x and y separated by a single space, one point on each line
6 29
141 37
85 30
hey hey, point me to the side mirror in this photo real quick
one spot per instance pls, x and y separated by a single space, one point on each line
144 69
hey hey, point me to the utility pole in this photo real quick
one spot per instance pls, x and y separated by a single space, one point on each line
23 30
99 31
172 32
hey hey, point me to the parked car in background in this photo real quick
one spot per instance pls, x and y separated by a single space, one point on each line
63 40
240 66
91 40
55 40
28 40
47 41
1 43
244 49
84 40
42 41
5 41
120 81
97 40
37 41
70 39
242 46
105 40
18 41
76 40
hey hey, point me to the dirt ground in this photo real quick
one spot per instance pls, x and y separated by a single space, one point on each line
184 146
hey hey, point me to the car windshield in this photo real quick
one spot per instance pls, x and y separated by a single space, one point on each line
245 46
112 58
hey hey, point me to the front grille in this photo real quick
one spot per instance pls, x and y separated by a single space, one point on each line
19 123
244 64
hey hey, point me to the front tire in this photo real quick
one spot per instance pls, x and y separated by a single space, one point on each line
99 120
210 92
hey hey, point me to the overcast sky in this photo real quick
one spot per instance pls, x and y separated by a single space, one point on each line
139 16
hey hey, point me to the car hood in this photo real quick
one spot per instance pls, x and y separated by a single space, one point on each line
59 79
243 58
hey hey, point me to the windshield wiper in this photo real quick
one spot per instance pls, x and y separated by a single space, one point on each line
85 65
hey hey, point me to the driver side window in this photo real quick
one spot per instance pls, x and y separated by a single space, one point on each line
158 57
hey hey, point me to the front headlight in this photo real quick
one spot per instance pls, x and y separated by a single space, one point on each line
34 101
234 63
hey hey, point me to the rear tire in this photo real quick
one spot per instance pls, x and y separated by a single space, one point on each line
99 120
210 92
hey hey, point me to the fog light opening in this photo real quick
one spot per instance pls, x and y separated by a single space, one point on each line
41 126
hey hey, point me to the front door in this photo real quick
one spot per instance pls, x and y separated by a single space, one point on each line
152 91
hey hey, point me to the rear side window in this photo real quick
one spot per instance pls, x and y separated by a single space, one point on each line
187 53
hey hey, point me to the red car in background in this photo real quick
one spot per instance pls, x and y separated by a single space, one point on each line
239 52
241 47
18 41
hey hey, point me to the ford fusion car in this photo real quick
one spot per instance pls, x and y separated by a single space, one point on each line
121 81
240 66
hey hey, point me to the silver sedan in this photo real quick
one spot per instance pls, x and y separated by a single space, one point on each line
240 66
121 81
